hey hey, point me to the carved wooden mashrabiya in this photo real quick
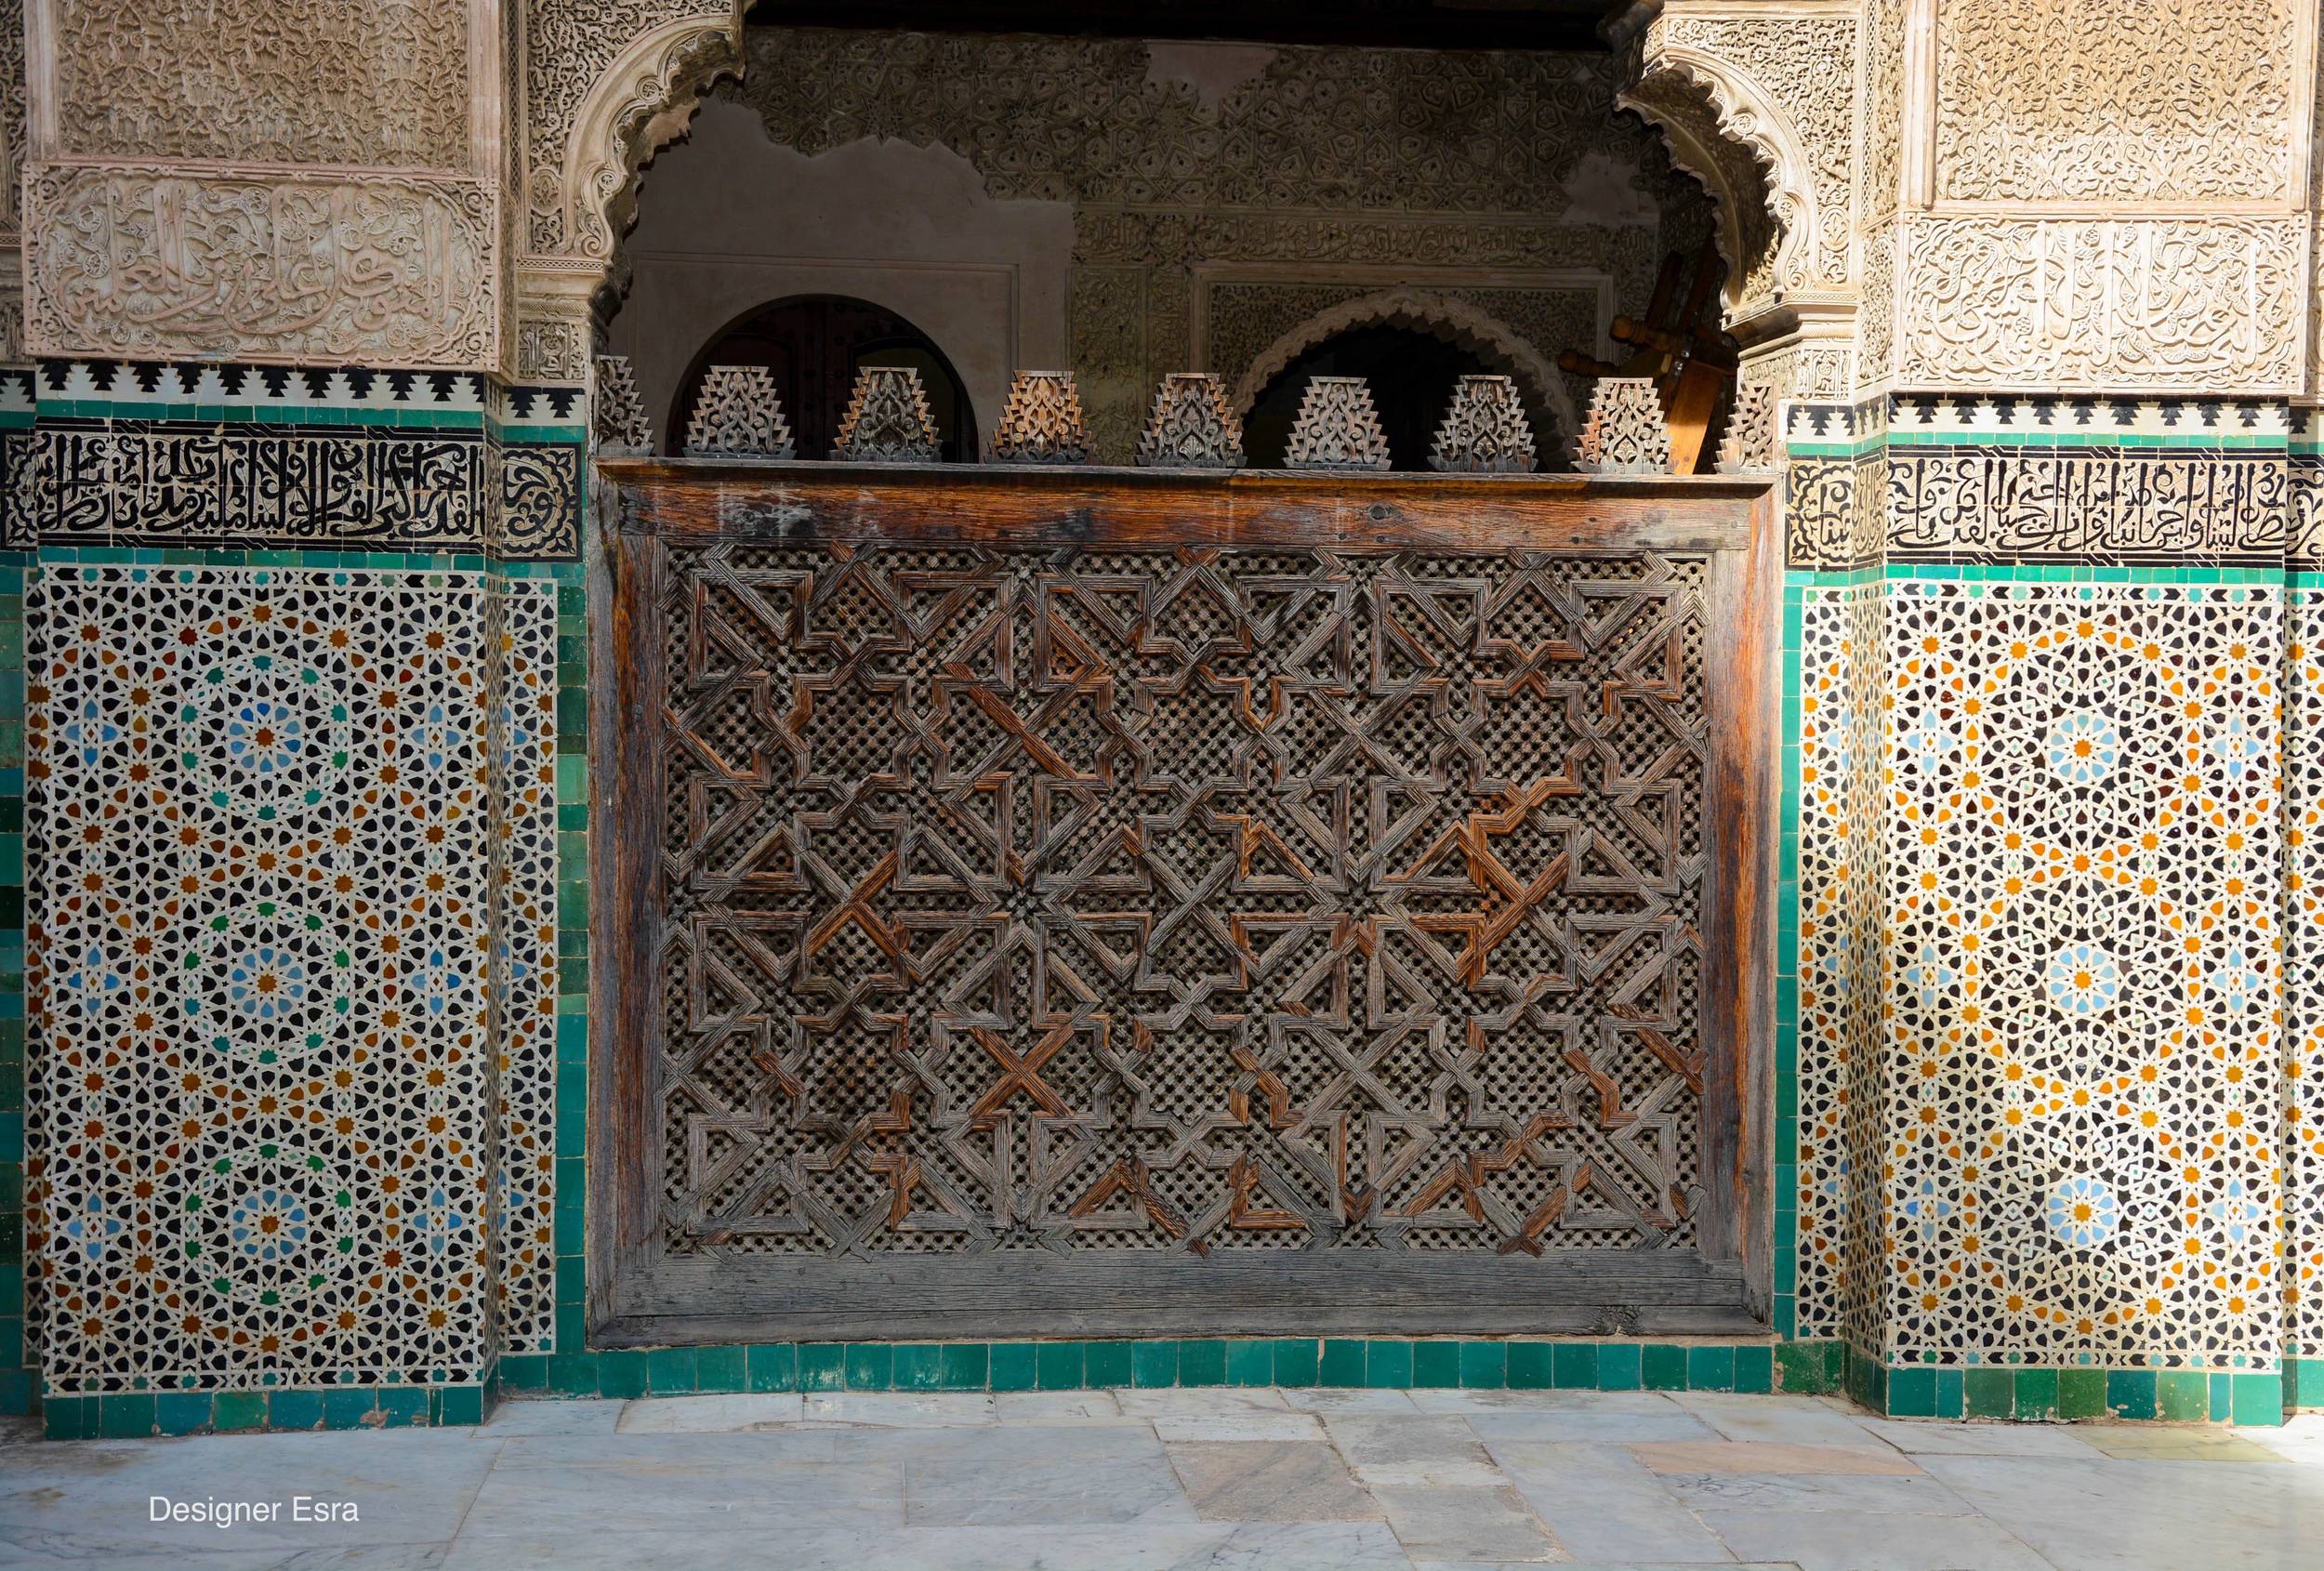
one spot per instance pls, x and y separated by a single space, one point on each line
1082 893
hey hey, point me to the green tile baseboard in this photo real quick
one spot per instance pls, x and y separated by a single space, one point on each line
2027 1393
144 1414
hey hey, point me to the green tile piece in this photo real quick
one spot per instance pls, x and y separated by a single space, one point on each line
1296 1361
292 1409
183 1412
669 1371
2081 1393
2131 1393
822 1365
1484 1366
770 1367
1621 1366
871 1366
231 1411
1435 1364
1663 1368
1104 1365
352 1407
918 1367
1755 1370
2036 1394
1576 1365
1342 1363
2222 1397
1532 1365
1057 1366
1202 1363
1388 1365
1154 1365
525 1371
1988 1393
1912 1393
2182 1396
1012 1366
70 1417
463 1405
1250 1362
401 1407
719 1369
2258 1399
967 1366
125 1415
1711 1368
2304 1381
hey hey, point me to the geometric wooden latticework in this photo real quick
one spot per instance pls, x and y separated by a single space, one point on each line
1189 928
1041 423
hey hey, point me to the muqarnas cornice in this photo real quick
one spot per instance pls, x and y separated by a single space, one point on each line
264 265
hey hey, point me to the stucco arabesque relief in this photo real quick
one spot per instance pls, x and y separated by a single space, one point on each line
1354 165
606 85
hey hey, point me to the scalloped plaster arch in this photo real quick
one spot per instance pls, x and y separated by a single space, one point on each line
640 102
1745 114
1744 230
1540 386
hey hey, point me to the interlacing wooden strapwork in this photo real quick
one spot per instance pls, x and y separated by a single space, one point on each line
1486 430
1141 901
1192 426
1336 429
1624 432
738 415
887 420
1041 423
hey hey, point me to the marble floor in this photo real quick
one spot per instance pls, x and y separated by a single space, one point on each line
1256 1480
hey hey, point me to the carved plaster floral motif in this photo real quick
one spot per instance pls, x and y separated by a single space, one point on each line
382 84
1749 447
1625 432
2060 100
1191 426
1041 423
1337 428
737 414
622 429
1485 431
886 420
2211 304
380 270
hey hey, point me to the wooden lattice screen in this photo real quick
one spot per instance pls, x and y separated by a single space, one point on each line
1050 903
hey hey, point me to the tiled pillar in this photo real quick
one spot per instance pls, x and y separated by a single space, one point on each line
293 895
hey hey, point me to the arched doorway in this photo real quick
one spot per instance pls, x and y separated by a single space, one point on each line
815 345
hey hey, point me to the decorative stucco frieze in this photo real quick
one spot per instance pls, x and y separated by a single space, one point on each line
264 265
2101 102
2199 305
376 84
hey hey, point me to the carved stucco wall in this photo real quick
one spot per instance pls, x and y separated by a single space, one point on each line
1220 201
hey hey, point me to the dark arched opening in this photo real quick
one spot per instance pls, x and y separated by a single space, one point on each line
814 346
1411 373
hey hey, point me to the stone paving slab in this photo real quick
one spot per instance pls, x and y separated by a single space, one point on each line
1228 1479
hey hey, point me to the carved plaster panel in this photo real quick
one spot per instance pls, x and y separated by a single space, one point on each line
377 270
14 132
2099 102
2209 305
376 82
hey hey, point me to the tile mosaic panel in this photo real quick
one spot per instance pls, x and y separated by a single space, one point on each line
2304 969
1838 954
521 684
2083 1098
263 1077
